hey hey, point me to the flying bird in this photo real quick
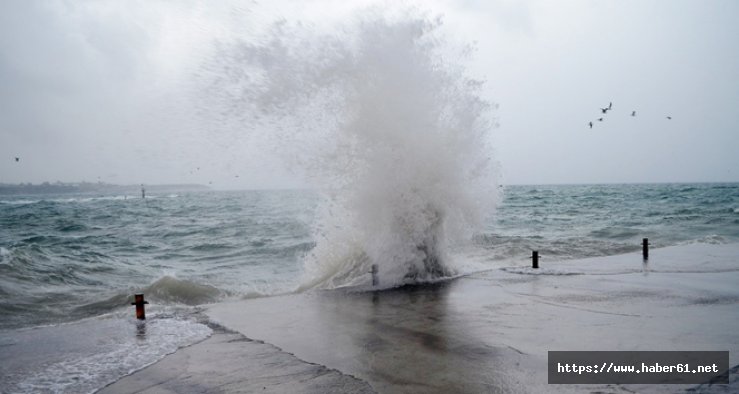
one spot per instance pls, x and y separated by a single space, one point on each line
591 124
633 113
669 118
17 159
608 108
600 119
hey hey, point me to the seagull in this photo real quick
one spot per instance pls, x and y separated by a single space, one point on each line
600 119
608 108
669 118
591 124
633 113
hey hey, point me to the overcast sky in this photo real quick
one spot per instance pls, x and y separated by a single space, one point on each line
102 90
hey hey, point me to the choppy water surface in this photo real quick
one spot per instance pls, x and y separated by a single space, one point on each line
572 221
65 258
69 264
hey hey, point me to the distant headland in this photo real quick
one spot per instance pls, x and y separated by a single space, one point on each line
90 187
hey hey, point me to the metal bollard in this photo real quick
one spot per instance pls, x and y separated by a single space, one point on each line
374 271
535 259
645 248
139 302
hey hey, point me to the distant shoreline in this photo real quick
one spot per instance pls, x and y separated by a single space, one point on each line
88 187
47 188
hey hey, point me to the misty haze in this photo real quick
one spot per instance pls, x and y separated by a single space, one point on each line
357 197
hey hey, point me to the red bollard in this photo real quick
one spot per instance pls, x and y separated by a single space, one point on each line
139 302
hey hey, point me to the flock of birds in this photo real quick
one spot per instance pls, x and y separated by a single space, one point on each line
604 110
198 169
610 107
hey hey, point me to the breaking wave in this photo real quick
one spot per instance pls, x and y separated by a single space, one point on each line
381 115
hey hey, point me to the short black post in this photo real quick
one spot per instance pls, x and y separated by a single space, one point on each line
375 281
535 258
645 248
139 302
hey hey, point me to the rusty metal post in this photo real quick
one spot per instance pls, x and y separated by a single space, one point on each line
374 271
535 258
139 302
645 248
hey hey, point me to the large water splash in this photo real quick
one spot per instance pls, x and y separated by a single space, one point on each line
382 115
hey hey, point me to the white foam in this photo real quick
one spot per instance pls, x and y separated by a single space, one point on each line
382 115
18 202
67 200
712 239
87 355
4 255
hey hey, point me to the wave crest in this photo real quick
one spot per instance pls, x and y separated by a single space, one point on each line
383 116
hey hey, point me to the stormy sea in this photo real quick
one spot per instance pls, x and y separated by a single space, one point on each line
70 264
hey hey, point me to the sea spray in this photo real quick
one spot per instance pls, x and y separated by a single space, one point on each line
382 115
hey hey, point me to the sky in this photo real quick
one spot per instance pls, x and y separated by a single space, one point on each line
103 90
